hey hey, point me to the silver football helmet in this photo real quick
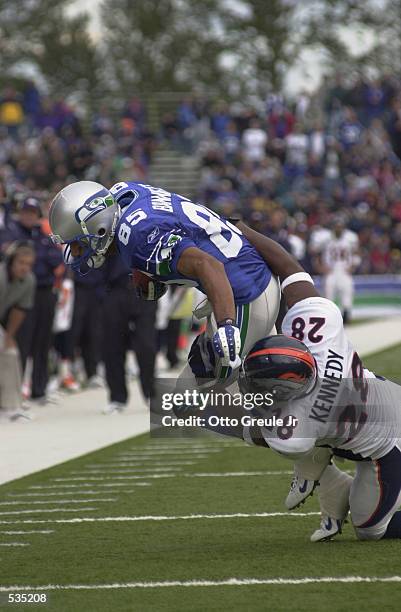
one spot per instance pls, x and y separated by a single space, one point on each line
85 213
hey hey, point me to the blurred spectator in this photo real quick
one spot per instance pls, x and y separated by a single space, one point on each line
11 111
254 141
17 285
34 337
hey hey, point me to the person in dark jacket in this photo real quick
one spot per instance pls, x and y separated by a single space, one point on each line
127 321
35 335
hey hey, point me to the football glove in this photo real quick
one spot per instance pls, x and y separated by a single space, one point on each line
227 343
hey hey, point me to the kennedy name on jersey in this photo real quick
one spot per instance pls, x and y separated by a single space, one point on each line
328 388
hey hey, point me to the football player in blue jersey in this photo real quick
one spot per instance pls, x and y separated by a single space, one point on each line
173 240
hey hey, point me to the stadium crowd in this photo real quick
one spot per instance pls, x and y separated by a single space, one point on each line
287 169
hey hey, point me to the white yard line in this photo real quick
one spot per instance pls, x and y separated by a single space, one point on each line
74 492
99 478
129 463
144 518
237 474
30 502
139 470
150 448
48 510
206 583
83 484
42 531
139 454
5 544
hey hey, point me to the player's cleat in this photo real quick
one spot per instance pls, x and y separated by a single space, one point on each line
114 407
329 528
94 382
69 383
300 490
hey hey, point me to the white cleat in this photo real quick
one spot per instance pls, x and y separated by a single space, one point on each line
329 528
114 407
300 490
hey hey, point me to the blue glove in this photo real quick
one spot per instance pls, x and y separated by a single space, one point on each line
227 343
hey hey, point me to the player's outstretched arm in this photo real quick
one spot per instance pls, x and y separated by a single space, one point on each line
281 263
210 273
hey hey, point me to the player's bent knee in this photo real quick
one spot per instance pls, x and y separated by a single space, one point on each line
370 533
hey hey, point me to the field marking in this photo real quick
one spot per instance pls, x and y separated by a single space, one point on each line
111 472
99 478
42 510
14 544
183 517
129 463
185 451
57 501
74 492
179 448
179 475
234 474
43 531
206 583
94 484
71 486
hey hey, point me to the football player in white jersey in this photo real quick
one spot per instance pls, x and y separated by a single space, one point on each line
338 258
350 412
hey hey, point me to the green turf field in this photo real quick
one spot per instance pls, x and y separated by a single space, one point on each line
150 510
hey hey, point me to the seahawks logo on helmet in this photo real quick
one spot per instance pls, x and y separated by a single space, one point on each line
93 205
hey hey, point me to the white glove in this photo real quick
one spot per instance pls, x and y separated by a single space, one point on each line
227 343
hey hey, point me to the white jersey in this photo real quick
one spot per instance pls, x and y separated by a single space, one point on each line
350 409
338 254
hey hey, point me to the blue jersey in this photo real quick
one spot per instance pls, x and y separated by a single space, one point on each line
157 226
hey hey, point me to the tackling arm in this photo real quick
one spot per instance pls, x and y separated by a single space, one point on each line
281 263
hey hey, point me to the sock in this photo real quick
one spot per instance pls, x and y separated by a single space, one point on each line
394 527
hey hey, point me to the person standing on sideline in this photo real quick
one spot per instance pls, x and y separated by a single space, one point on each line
17 287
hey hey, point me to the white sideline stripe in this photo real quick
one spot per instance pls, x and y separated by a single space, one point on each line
28 532
42 510
14 544
143 518
139 470
179 448
129 463
94 484
126 471
57 501
206 583
61 493
185 451
234 474
90 478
